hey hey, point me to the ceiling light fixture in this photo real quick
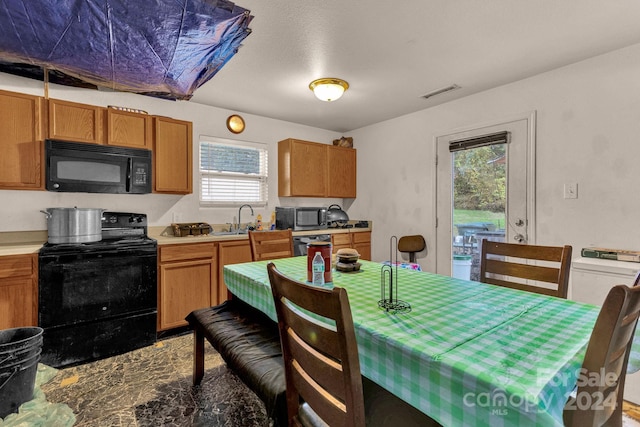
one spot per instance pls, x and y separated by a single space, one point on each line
328 89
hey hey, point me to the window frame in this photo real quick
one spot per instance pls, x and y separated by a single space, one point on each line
262 179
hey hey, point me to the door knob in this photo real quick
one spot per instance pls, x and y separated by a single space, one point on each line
519 238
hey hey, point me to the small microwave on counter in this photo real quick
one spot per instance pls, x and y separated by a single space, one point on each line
300 218
92 168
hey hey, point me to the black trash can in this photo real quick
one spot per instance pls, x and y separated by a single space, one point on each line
20 350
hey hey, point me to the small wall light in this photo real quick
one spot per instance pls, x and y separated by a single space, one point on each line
235 123
328 89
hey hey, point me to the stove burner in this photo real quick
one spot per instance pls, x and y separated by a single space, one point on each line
119 229
111 244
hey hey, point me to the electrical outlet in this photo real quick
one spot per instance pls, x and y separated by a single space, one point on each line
571 190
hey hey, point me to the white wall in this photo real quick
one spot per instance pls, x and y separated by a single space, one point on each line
588 131
19 210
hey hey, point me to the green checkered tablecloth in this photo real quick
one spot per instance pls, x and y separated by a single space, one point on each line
467 354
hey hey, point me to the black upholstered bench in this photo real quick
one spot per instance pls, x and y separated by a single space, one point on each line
249 343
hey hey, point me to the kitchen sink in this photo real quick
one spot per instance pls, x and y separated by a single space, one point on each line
229 233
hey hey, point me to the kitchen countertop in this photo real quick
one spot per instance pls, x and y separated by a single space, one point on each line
30 242
20 248
164 235
22 242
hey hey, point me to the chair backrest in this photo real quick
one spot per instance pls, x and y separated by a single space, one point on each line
556 260
320 354
598 398
267 245
411 245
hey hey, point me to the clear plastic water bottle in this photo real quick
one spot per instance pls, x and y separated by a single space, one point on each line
317 266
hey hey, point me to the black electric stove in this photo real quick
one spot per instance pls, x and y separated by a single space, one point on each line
98 299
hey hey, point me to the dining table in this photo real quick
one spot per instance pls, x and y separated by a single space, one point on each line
462 352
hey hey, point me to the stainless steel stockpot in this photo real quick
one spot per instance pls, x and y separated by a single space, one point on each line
74 225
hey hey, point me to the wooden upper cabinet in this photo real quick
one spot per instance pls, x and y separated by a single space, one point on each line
21 134
311 169
302 168
342 172
127 129
71 121
172 156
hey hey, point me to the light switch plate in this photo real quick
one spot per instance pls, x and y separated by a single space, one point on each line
571 190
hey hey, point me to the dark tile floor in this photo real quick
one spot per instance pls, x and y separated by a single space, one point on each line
152 387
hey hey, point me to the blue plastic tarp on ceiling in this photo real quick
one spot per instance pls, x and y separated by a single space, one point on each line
166 48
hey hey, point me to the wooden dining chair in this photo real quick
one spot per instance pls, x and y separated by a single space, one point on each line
267 245
322 370
411 245
598 397
551 268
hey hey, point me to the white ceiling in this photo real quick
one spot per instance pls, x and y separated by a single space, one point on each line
394 52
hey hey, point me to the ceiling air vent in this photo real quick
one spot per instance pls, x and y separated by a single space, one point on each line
440 91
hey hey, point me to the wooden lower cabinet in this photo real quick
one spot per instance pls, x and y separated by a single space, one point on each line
18 291
340 241
187 280
361 241
191 275
231 252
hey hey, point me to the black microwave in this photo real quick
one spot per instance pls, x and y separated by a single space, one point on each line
92 168
300 218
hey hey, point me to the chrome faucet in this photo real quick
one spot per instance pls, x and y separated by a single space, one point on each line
240 210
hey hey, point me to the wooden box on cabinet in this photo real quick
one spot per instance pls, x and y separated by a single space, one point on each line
22 121
18 291
341 163
187 280
172 156
230 252
302 168
71 121
128 129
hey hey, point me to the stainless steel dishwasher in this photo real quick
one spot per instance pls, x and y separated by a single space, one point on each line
300 242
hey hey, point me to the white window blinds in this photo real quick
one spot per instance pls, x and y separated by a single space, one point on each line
232 172
480 141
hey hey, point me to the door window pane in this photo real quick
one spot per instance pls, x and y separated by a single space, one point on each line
479 200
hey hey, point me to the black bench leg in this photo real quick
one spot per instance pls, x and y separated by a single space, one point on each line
198 356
